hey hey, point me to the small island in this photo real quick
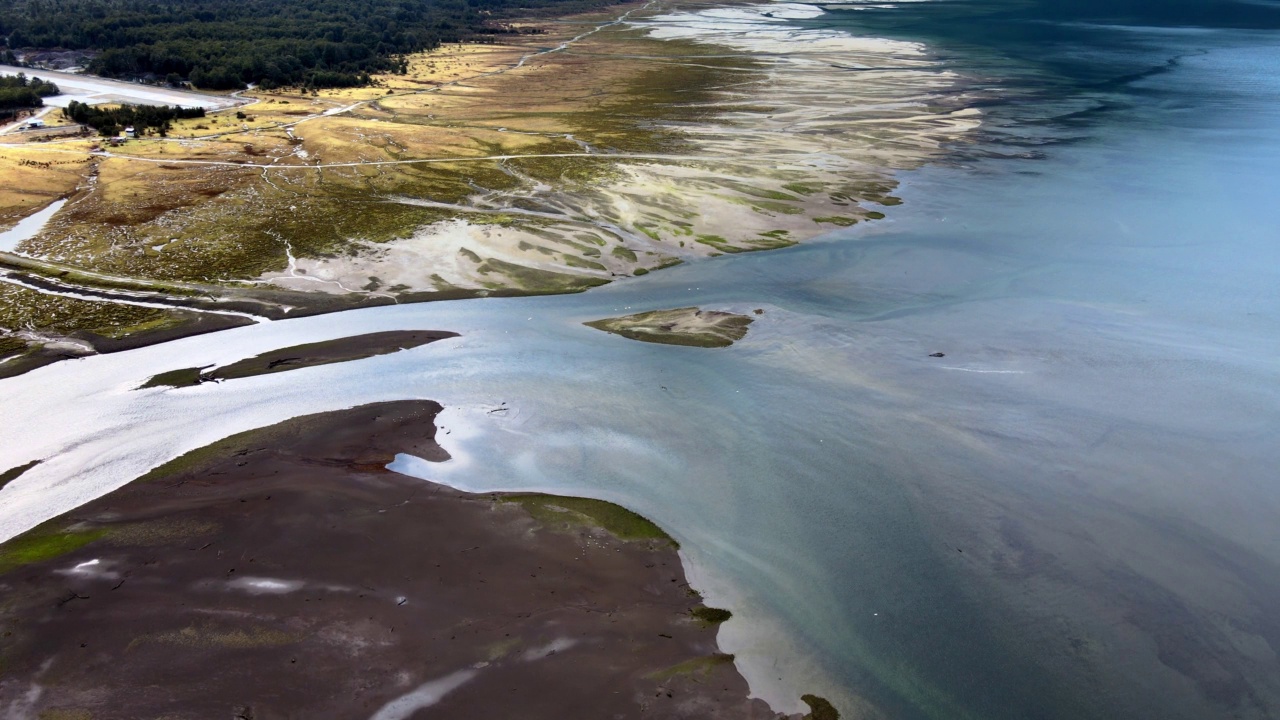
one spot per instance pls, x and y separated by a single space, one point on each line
689 326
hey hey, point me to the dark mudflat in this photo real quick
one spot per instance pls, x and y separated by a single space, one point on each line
12 474
327 352
285 573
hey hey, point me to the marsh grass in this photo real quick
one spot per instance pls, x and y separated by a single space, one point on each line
557 511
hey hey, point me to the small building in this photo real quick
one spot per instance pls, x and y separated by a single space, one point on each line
129 132
34 124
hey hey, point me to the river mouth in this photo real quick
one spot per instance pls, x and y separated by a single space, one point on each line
1069 514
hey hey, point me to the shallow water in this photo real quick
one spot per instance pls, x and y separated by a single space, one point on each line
1071 514
29 226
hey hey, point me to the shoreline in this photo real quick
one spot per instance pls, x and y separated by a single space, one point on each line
195 555
562 198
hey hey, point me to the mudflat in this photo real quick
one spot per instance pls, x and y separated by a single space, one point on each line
284 572
297 357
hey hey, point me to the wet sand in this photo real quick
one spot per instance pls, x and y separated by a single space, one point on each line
284 572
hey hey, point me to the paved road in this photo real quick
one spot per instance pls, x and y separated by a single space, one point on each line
96 90
14 126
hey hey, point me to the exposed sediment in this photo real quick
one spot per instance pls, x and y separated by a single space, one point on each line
605 147
286 572
681 326
297 357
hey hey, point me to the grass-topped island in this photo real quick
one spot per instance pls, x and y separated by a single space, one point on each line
681 326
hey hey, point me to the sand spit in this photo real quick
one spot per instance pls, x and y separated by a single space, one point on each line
284 571
297 357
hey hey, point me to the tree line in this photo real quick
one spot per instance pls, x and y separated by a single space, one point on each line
19 93
225 44
142 118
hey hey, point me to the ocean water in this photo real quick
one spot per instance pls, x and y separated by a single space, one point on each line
1071 514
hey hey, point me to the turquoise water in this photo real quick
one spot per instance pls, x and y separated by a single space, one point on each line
1070 515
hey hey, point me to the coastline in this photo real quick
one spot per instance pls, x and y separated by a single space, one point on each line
712 247
193 566
772 134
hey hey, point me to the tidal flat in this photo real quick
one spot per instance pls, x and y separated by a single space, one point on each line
604 146
244 577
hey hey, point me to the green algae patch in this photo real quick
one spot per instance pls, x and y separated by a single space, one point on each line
157 533
801 188
710 615
554 510
839 220
44 543
819 708
66 714
10 345
689 326
537 281
206 456
697 667
12 474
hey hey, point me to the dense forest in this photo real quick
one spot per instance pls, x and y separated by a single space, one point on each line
224 44
18 93
142 118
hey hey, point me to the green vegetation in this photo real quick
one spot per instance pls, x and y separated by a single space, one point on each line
12 474
66 714
224 44
21 308
819 708
620 522
19 93
44 543
185 377
840 220
689 326
143 118
533 280
802 188
209 455
698 666
10 345
710 615
575 261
